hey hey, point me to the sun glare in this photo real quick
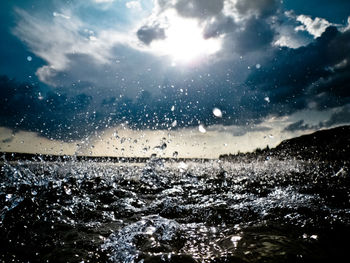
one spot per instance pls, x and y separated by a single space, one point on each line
184 42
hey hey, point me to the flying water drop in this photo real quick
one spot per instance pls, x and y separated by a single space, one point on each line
202 129
217 112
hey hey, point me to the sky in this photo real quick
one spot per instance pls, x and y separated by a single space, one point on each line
194 78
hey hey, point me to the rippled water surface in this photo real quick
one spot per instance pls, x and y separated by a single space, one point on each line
213 211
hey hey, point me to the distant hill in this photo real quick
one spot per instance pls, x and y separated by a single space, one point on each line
331 144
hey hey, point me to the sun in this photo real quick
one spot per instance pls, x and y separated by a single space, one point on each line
184 42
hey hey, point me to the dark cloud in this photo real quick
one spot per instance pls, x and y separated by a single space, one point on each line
199 8
334 89
149 33
131 72
219 26
298 126
257 7
294 78
27 106
204 9
340 117
256 35
242 130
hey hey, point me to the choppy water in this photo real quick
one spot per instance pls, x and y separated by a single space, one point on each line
263 211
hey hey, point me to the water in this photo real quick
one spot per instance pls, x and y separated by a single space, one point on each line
260 211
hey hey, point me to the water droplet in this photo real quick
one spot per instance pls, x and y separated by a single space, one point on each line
217 112
173 108
235 239
267 99
258 66
182 166
150 230
8 197
29 58
67 190
174 123
202 129
161 147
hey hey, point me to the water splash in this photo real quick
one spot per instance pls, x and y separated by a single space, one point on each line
193 211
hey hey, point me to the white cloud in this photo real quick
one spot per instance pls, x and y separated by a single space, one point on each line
107 59
287 36
58 40
286 41
241 10
133 5
315 26
49 41
103 1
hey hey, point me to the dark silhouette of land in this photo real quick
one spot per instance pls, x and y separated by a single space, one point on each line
324 145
